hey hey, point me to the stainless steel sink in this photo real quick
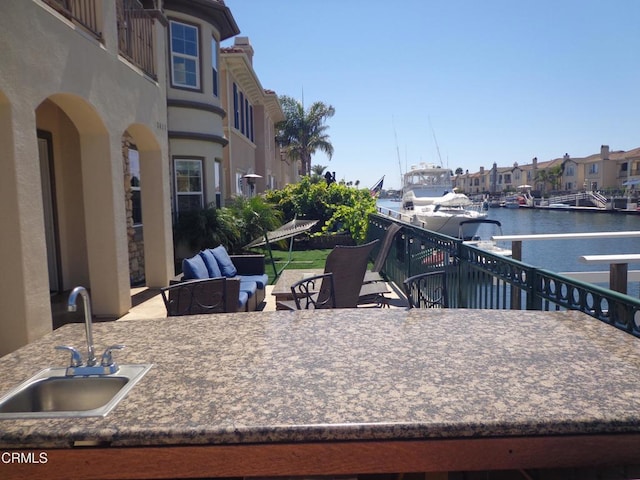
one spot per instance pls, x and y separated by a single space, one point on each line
51 393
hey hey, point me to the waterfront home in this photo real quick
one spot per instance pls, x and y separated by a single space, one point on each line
195 110
250 126
76 87
606 170
114 119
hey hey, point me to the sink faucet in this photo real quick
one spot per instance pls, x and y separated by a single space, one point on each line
107 365
88 325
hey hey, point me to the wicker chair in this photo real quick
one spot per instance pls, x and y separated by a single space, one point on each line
211 295
373 275
347 266
306 296
427 290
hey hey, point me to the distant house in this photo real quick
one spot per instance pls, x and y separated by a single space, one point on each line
250 126
617 170
78 92
607 170
472 183
195 107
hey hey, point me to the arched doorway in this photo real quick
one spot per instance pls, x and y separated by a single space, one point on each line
147 207
82 202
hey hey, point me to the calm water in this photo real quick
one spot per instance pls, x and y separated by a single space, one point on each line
563 255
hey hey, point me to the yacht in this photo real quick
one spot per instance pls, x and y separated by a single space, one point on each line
429 200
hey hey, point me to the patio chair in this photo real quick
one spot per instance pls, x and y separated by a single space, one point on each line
347 265
211 295
374 292
427 290
306 296
373 275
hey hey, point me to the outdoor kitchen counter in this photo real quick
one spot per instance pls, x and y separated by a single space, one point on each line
352 376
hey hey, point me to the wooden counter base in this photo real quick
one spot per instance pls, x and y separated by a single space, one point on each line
331 458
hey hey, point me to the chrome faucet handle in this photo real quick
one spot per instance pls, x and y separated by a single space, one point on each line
107 357
76 357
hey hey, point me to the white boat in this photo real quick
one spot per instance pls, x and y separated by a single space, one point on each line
430 201
513 201
483 242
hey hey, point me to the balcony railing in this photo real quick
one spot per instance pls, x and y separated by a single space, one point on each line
135 28
135 35
479 279
81 12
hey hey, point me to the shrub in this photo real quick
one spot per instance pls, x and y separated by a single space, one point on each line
208 228
255 215
337 207
233 226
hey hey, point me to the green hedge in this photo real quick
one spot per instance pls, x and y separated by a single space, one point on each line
338 208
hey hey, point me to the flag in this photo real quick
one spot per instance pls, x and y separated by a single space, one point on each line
375 190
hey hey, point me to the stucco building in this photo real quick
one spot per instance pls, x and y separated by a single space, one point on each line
250 126
606 170
194 101
115 117
75 87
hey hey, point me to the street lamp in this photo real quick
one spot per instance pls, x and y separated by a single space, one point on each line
251 180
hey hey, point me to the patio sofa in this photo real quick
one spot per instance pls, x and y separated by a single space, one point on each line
248 270
195 297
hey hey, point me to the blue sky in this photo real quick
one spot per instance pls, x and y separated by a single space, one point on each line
462 82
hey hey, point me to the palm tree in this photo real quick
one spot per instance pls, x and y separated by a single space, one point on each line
552 175
317 173
318 170
302 132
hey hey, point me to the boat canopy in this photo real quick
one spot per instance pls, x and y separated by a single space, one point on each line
435 177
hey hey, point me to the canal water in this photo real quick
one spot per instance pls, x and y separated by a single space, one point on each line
562 255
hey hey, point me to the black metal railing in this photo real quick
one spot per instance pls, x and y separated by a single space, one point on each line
81 12
135 35
480 279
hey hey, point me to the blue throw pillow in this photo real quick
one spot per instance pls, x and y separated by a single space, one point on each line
227 267
194 268
211 263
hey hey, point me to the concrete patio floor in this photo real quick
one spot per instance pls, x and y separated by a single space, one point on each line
147 302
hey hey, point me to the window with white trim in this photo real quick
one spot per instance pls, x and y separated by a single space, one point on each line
185 59
188 184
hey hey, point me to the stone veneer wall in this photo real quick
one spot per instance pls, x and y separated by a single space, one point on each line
135 238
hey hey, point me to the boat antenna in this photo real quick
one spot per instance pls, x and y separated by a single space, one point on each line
395 134
436 141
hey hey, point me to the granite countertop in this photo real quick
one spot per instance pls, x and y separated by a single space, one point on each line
358 374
